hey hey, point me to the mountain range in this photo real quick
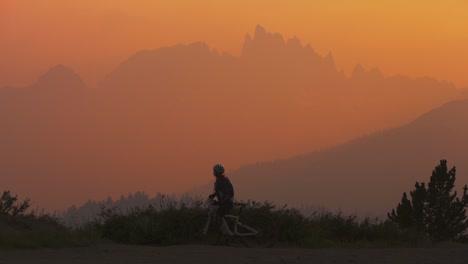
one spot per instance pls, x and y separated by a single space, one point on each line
162 118
366 175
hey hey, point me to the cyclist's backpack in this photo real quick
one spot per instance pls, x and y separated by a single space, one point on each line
230 187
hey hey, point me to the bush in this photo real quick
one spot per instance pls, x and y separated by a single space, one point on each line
9 204
321 229
164 226
23 229
148 225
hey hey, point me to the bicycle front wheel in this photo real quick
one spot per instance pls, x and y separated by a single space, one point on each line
265 228
200 230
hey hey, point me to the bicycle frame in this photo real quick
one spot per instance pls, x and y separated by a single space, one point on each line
237 223
235 232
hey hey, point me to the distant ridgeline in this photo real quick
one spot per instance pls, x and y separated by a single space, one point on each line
77 215
170 113
91 210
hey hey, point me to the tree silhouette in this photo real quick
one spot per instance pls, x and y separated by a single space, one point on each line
403 215
435 209
9 204
445 213
418 198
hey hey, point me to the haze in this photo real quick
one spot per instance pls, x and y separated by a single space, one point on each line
102 98
415 38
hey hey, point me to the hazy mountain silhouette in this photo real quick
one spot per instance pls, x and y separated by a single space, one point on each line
367 174
273 83
45 129
163 117
60 77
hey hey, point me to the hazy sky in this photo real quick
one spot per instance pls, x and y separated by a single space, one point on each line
415 37
63 139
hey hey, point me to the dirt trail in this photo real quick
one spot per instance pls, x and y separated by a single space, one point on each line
114 254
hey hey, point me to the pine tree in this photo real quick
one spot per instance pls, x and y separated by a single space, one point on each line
410 213
435 210
418 202
445 213
403 215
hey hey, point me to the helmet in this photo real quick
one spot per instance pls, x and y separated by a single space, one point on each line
218 169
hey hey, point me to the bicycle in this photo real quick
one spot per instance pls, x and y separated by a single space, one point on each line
260 231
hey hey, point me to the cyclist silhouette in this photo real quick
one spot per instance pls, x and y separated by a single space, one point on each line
224 192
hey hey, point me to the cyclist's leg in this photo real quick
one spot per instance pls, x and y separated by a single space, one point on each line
223 209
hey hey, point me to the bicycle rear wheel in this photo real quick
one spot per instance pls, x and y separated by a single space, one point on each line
266 228
196 231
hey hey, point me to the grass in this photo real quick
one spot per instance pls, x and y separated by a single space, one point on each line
164 226
31 231
322 229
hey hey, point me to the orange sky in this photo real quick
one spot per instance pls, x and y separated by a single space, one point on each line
92 36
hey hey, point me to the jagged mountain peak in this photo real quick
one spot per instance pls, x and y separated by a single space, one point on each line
273 45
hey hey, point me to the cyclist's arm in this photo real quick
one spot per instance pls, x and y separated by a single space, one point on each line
215 193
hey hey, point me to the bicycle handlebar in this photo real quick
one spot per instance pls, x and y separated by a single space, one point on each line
212 205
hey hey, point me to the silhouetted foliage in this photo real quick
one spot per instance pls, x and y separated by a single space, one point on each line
163 220
403 215
89 211
146 225
20 227
9 204
321 229
435 209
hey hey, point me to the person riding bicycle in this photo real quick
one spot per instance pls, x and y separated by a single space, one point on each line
224 192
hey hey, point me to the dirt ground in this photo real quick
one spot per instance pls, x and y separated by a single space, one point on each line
114 254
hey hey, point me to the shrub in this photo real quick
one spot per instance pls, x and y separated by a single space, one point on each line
9 204
20 228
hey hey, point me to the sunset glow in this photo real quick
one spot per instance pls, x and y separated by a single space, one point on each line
416 38
105 97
